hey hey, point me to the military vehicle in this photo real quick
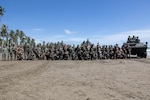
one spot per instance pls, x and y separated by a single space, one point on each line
135 47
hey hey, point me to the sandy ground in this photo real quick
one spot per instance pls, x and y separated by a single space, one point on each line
75 80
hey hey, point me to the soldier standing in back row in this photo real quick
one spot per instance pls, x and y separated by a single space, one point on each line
99 53
4 52
10 52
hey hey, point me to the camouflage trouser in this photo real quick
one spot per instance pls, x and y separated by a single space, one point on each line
4 55
92 56
19 56
14 54
25 55
73 56
99 55
10 56
65 56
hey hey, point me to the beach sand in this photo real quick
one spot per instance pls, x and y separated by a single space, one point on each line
75 80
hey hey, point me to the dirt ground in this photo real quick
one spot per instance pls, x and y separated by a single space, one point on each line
75 80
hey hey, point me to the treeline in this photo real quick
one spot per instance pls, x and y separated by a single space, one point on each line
13 37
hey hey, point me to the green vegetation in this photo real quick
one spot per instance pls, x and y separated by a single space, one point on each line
13 37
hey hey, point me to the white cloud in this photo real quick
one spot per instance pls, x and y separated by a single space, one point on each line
69 32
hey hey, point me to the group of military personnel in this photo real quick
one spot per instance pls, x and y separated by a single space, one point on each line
134 39
60 51
12 52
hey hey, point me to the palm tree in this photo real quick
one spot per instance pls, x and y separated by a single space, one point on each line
1 11
33 42
1 33
28 40
13 37
17 35
4 33
1 42
22 37
1 14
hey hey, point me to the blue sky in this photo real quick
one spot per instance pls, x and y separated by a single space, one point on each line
73 21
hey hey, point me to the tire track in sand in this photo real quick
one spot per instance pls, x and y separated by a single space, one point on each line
12 79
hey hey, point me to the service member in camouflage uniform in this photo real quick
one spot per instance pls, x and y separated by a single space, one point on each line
4 53
10 53
20 53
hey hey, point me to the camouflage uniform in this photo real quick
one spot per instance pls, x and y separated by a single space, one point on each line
99 53
4 53
10 53
20 53
14 54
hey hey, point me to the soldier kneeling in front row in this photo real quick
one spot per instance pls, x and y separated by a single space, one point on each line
19 53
